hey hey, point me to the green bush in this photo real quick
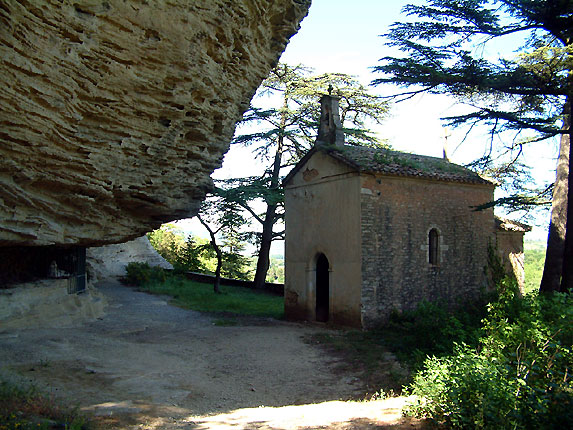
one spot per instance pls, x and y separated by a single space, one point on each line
140 273
432 329
464 390
435 328
517 377
26 408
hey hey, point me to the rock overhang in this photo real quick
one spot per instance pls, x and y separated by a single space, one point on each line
115 113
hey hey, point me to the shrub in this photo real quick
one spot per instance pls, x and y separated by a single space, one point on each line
464 390
432 329
26 408
436 329
140 273
517 377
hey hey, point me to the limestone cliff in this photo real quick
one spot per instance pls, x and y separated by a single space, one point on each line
114 113
109 261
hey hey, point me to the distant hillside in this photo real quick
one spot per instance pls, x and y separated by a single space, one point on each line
534 245
534 261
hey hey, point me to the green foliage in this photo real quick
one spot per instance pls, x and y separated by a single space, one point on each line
465 390
222 217
439 57
191 256
280 135
495 268
167 241
140 273
276 273
432 329
195 254
235 264
296 115
517 377
185 254
533 265
445 49
29 409
232 300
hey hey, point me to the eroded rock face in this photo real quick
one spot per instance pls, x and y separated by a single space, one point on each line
110 261
115 113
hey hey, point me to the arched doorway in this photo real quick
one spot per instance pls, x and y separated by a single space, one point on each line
322 288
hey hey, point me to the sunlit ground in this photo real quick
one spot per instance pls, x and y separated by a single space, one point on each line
331 415
326 415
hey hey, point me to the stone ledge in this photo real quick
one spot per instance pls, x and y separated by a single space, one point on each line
47 304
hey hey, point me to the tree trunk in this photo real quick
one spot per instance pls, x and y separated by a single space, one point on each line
567 272
553 268
263 260
217 281
269 221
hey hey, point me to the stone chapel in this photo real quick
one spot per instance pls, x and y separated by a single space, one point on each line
372 231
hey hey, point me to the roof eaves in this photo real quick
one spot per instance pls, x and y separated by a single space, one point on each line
298 166
511 225
404 171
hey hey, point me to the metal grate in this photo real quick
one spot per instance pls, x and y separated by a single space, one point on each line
77 279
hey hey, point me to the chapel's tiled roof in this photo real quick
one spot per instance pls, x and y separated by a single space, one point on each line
389 162
510 225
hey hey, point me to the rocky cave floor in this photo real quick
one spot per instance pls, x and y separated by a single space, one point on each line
149 365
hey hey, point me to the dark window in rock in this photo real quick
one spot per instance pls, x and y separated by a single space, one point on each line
433 242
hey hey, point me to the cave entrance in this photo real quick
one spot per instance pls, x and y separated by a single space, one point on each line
21 264
322 288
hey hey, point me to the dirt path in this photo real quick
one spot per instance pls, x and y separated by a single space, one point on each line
147 364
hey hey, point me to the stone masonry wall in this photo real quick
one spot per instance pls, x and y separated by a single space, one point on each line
397 215
322 211
509 246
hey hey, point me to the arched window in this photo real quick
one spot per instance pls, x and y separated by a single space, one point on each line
434 247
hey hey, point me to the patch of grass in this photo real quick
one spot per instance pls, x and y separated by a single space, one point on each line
28 408
200 297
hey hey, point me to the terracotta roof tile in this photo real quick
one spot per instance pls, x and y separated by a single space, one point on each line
386 161
510 225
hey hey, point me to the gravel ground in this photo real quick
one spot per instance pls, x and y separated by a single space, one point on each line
147 364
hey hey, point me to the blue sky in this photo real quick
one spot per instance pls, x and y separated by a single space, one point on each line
343 36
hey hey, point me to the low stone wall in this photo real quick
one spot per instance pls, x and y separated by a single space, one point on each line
47 304
276 289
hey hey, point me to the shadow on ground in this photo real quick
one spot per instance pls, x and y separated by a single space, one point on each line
147 364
